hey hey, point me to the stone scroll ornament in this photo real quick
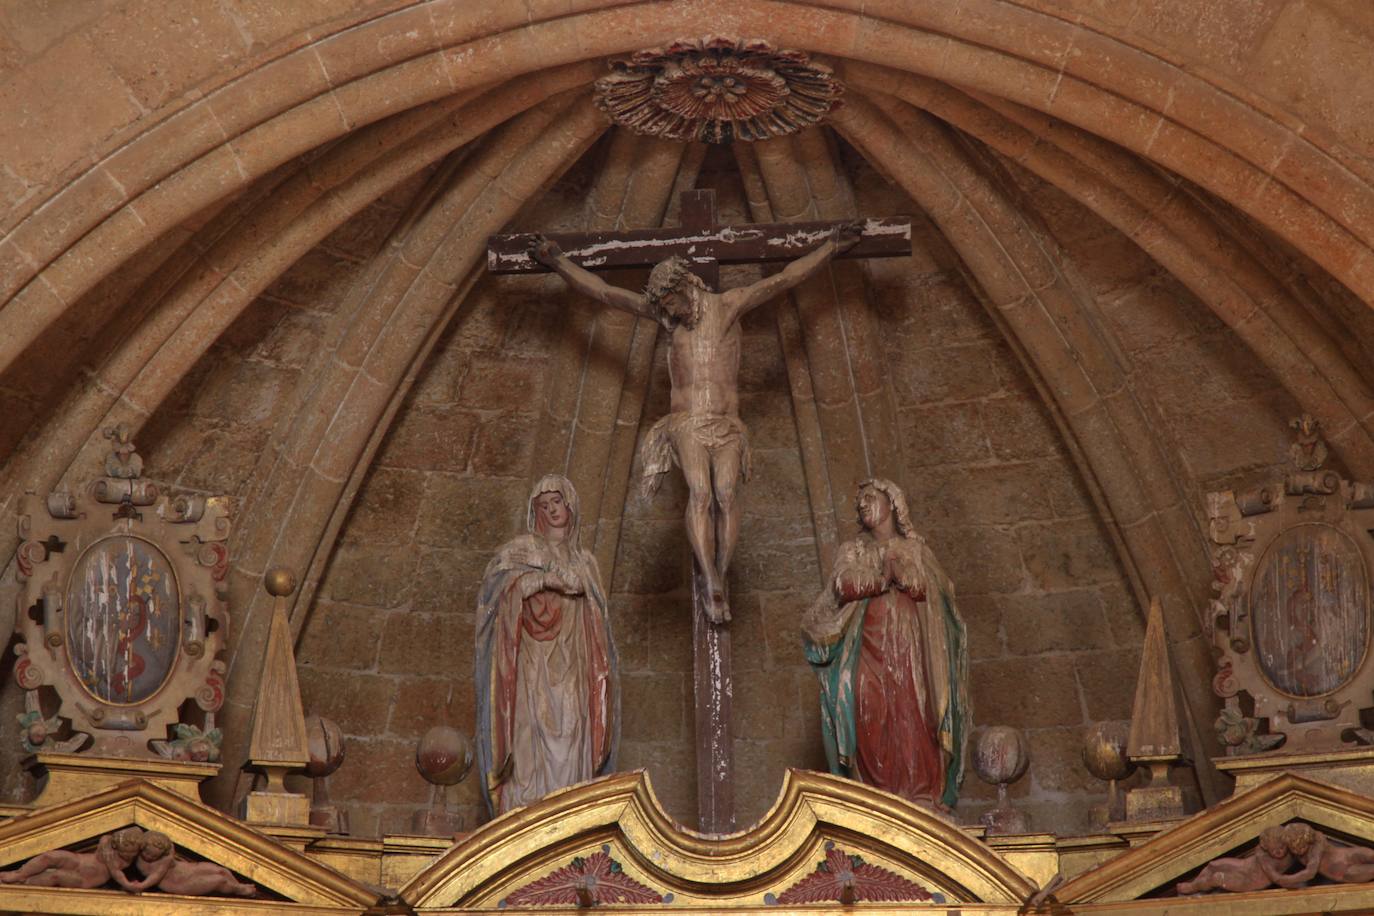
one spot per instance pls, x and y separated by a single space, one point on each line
1290 622
122 616
716 90
847 879
586 881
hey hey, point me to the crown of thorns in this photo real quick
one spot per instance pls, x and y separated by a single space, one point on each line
667 276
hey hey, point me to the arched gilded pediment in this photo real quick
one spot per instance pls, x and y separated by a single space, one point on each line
1220 830
191 826
894 850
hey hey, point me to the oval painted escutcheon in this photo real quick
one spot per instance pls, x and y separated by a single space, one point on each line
123 620
1309 610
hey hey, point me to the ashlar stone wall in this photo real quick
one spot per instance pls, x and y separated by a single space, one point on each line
387 648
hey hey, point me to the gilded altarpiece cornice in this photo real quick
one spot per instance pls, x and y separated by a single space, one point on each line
607 844
921 858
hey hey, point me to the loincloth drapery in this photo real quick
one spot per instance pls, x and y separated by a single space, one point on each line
713 431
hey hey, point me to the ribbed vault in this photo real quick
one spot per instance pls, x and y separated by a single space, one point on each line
400 138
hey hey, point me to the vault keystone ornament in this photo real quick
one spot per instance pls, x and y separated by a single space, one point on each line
717 90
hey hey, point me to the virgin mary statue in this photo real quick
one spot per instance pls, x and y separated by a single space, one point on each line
548 699
888 646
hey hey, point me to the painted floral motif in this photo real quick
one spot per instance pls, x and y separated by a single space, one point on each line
717 90
592 880
847 879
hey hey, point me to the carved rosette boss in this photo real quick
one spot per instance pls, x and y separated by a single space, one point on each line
122 614
1291 618
716 90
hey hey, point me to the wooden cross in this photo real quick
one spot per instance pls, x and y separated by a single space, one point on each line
700 240
705 245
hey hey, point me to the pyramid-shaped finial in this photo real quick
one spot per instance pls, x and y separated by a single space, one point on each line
1154 736
1154 716
279 743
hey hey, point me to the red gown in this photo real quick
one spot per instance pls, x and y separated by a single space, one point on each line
897 747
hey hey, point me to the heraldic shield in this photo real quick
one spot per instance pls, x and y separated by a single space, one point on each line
122 617
1291 619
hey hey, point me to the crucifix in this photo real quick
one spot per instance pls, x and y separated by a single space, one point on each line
703 434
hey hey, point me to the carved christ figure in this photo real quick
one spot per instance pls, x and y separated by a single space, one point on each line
703 434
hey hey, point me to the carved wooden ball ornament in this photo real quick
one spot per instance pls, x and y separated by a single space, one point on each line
716 90
443 756
326 743
1001 756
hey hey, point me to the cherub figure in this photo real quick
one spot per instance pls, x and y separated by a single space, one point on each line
1308 451
1261 868
158 863
88 870
39 733
1321 855
122 462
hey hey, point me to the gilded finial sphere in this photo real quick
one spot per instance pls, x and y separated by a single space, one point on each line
1104 751
280 581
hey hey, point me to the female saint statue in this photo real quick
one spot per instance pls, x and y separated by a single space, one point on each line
889 647
548 699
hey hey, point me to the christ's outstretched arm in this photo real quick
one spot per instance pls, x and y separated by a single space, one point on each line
843 238
589 284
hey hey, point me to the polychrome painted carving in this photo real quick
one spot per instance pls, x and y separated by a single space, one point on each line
1291 620
890 649
151 854
123 614
1261 868
703 434
548 698
847 879
1323 856
1269 864
63 868
162 869
593 880
716 90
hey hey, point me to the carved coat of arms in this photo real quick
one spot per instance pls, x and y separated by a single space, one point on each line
122 616
1291 619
